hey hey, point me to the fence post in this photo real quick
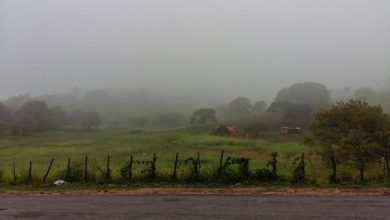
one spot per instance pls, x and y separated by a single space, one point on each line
220 163
274 163
130 167
174 176
333 176
197 168
108 171
67 170
14 173
86 169
153 167
30 172
48 171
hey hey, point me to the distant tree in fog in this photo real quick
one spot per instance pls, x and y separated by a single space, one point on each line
292 114
76 117
5 118
16 102
316 95
91 120
203 116
240 106
259 107
55 118
30 118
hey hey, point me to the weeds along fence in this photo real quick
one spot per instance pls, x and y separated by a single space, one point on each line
125 169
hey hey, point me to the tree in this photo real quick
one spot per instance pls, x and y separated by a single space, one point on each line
76 117
351 129
16 102
203 116
292 114
91 120
5 118
30 118
55 118
315 95
259 107
240 106
254 130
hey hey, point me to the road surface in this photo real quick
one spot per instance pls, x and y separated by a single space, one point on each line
193 207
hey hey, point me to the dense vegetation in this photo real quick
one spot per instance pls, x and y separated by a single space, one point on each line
345 142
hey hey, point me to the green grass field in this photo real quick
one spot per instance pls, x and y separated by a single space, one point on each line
120 143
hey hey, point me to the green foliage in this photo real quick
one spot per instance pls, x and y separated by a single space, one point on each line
315 95
75 173
354 130
90 120
266 175
232 170
240 106
221 130
292 114
5 118
194 164
126 171
35 116
150 168
203 116
259 107
255 130
299 171
117 143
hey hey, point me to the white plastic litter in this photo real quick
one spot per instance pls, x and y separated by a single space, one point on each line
59 182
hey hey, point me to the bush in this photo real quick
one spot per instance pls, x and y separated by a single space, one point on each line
299 170
264 175
194 169
221 130
255 130
75 173
228 173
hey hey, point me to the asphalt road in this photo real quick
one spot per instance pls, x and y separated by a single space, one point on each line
193 207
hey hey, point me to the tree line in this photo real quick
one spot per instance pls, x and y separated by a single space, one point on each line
35 116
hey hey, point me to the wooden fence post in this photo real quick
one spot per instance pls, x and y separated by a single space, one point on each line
86 169
153 167
108 171
30 172
220 162
197 169
174 176
48 171
14 173
67 170
130 167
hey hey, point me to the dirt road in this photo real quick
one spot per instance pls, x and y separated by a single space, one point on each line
193 207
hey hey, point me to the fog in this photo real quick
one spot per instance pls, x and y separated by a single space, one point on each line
206 48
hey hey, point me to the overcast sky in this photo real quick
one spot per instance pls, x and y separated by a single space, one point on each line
238 47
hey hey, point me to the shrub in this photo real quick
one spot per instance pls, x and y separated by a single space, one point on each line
228 173
221 130
194 168
299 170
75 173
